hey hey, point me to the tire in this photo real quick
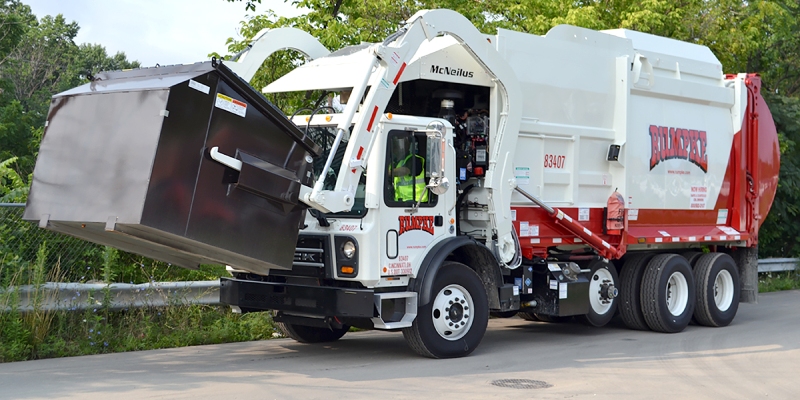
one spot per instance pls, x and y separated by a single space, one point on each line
717 291
692 257
457 296
554 319
603 294
668 293
503 314
527 316
311 334
630 308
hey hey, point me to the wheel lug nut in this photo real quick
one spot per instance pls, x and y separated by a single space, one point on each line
466 316
447 309
451 324
462 301
446 317
466 307
451 301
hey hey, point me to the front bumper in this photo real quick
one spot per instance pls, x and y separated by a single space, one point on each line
301 299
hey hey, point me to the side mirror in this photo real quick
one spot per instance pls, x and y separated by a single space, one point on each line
437 144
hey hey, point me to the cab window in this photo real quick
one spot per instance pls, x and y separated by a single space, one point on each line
405 177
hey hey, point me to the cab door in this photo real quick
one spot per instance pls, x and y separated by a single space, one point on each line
413 218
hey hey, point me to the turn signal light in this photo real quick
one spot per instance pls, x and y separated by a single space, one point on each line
345 269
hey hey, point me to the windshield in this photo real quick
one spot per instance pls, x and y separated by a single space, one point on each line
324 136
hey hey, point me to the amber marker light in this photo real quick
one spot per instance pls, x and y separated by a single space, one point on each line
389 115
345 269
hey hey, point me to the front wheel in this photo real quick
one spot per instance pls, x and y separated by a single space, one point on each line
603 292
453 323
311 334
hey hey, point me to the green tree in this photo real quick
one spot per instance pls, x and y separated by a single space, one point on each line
39 58
747 36
780 234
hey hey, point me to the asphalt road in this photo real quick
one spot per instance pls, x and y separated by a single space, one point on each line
758 356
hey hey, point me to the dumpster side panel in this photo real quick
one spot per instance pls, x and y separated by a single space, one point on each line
235 219
177 160
96 156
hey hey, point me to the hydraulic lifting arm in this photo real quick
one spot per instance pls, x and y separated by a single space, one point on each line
384 68
268 41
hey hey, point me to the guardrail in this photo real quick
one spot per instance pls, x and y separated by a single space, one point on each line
778 264
81 296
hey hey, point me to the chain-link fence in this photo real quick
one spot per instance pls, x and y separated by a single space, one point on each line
63 258
23 244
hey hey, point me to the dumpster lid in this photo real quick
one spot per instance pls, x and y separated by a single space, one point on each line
165 77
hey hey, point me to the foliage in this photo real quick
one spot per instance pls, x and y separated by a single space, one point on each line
13 189
42 333
99 330
776 281
779 236
39 58
755 36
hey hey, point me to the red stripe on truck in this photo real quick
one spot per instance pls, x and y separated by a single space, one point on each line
400 72
372 118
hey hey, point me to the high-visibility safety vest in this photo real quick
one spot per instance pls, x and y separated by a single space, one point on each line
404 186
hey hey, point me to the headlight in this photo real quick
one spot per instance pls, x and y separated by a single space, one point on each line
349 249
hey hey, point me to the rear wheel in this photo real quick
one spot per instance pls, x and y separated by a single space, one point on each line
668 293
311 334
551 318
717 280
453 323
527 316
630 308
692 257
603 292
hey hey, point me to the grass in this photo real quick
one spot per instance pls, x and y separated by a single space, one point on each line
98 331
42 333
775 281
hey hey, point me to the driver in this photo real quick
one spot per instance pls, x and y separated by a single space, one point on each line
405 162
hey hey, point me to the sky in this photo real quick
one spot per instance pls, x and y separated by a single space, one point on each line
154 32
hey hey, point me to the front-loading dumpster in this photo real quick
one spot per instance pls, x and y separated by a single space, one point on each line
124 162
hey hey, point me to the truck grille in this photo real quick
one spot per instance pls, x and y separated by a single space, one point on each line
311 258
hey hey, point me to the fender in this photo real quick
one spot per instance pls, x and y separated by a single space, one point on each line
471 251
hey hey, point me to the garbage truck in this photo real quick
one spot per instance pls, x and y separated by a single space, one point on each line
458 175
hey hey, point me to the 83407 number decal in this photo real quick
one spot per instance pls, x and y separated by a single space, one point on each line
554 161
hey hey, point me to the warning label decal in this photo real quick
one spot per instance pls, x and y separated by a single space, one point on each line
231 105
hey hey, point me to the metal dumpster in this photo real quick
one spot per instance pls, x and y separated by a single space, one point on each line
124 162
